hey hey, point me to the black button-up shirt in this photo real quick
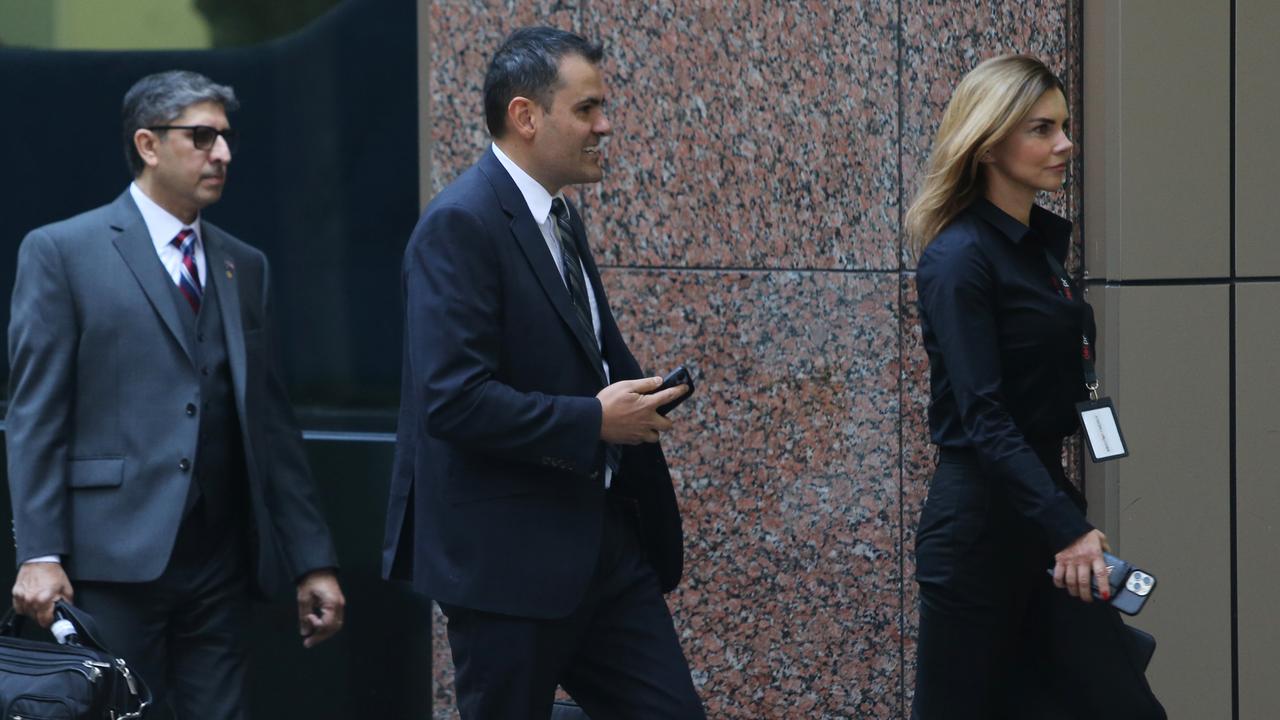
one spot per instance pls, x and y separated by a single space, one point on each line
1005 354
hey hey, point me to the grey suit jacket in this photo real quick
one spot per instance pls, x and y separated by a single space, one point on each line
100 442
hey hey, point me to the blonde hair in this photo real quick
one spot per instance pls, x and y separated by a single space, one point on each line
984 109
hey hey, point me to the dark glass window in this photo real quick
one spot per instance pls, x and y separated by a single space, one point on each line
325 179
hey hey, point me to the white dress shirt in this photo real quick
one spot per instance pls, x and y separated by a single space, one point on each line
539 202
164 227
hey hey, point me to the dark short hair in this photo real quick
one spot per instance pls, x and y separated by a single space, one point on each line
161 98
528 65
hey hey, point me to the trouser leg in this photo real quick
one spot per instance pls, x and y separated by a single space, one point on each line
629 664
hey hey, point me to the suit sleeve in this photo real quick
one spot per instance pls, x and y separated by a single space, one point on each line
454 300
43 342
290 492
956 298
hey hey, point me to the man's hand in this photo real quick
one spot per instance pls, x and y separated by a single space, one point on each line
1081 561
39 584
320 607
630 415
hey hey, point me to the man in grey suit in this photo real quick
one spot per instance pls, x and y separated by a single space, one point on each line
153 457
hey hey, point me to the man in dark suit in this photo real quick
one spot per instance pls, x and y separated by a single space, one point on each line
153 456
530 497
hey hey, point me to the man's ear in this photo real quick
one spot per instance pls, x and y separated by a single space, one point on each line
522 117
145 142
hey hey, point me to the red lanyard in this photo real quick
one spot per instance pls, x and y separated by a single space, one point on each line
1062 284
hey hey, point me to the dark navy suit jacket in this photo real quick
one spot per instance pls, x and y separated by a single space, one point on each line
497 494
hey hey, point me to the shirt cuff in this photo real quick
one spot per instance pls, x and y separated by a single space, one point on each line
44 559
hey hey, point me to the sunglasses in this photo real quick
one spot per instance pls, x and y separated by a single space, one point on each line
203 136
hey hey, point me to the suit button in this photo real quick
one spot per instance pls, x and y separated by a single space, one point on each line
204 371
184 464
200 337
191 409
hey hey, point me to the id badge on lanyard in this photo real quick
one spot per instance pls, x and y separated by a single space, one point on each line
1097 415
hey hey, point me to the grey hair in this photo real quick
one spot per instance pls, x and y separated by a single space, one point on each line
161 98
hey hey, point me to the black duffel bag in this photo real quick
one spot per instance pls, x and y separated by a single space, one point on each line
81 680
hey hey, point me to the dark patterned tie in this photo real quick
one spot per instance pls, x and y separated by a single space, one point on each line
573 268
573 279
189 275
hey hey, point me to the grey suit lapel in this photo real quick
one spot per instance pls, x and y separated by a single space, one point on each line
133 242
222 275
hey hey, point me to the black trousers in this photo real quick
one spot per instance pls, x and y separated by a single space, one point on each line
617 654
185 631
997 639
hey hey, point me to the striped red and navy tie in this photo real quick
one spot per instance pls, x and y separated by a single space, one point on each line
189 276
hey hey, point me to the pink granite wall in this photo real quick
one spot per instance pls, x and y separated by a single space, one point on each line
749 226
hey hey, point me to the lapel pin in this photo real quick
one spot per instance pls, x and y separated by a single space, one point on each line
231 269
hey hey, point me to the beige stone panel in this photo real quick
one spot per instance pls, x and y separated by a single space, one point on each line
1257 497
1101 148
1257 152
1167 351
1157 151
1100 479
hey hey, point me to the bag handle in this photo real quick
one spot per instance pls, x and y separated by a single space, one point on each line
86 629
86 632
11 623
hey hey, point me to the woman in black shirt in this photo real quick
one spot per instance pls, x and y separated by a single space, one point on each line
1005 341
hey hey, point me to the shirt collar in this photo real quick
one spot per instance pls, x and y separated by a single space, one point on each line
535 195
161 224
1055 230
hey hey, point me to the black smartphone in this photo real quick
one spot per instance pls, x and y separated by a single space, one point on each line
679 376
1130 587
